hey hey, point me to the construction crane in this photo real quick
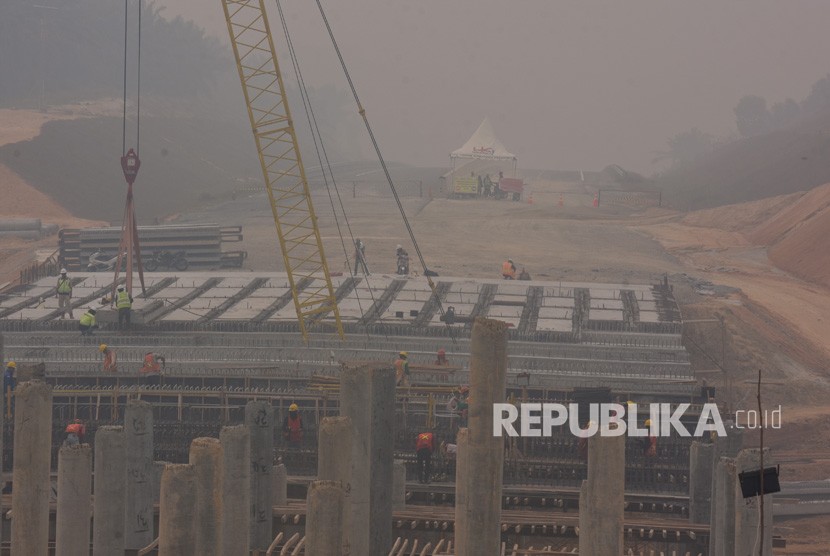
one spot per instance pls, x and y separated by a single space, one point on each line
282 166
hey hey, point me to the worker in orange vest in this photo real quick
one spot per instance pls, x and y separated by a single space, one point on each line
402 369
508 270
110 359
75 432
292 427
424 448
153 365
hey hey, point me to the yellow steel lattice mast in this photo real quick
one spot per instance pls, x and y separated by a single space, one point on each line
279 155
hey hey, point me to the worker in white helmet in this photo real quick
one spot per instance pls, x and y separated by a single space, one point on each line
64 294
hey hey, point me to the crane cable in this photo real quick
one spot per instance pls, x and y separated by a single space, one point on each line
362 111
321 155
138 84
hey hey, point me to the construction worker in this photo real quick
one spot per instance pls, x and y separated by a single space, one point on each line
360 257
508 270
442 358
402 369
402 265
424 447
86 323
110 359
649 444
124 304
75 432
9 384
64 294
292 427
153 365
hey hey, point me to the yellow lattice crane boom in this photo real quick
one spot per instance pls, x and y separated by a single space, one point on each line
282 166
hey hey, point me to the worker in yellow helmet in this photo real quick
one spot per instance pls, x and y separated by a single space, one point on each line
292 427
402 369
110 359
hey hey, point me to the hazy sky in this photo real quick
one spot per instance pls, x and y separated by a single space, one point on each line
567 84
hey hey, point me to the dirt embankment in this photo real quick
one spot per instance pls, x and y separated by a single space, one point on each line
18 199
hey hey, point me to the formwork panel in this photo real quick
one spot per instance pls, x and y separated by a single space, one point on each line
405 307
247 308
554 325
465 287
647 305
555 313
173 292
185 315
616 304
558 302
219 293
604 293
649 316
566 292
511 288
606 314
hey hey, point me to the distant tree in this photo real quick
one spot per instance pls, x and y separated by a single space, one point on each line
751 116
784 113
686 147
819 98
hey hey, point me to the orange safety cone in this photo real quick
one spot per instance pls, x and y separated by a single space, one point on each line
596 200
561 200
530 199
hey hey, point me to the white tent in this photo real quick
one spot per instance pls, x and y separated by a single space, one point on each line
482 146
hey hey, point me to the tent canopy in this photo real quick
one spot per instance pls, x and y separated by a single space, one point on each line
483 144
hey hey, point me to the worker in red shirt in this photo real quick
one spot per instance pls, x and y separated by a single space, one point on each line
292 427
424 448
442 358
75 432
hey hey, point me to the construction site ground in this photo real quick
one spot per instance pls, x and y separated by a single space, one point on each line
759 266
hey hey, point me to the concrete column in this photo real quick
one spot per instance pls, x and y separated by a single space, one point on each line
110 492
334 448
461 487
602 497
74 512
32 463
138 438
334 460
367 396
398 485
700 481
158 469
722 542
206 458
236 489
483 474
728 447
747 510
279 478
259 417
325 508
177 509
